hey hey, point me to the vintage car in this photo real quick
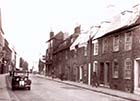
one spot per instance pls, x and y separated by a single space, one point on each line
20 79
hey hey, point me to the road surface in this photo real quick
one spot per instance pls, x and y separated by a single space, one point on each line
48 90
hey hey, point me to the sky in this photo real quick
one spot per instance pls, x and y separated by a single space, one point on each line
27 23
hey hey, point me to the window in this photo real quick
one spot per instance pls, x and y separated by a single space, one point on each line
116 43
115 69
95 47
95 66
127 68
128 41
85 51
104 45
75 53
72 39
85 70
66 55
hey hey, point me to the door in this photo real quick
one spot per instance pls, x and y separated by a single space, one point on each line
102 73
137 76
80 73
106 73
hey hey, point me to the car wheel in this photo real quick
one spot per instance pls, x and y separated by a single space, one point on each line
29 88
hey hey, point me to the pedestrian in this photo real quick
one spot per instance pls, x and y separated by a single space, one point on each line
95 80
61 76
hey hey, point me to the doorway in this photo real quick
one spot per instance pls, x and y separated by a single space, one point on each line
107 73
81 73
137 76
104 73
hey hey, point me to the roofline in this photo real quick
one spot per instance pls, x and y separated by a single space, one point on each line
2 30
122 28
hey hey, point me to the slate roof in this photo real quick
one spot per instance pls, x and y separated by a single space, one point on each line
123 19
83 38
66 43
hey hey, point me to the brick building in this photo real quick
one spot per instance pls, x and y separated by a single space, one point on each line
53 44
1 45
112 51
116 52
7 57
62 56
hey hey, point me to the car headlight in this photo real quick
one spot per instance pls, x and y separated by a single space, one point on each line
25 79
17 79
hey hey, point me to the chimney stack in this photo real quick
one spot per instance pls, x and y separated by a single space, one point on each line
77 29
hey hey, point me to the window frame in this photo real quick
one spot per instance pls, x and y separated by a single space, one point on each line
96 47
115 73
85 50
116 43
126 69
128 44
105 45
95 66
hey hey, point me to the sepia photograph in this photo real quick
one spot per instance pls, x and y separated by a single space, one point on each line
69 50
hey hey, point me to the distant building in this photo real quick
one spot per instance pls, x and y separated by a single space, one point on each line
53 44
62 56
1 45
7 57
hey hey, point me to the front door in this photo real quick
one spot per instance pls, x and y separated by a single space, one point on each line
106 74
137 76
102 73
81 73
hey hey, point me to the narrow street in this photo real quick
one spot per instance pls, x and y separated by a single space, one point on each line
47 90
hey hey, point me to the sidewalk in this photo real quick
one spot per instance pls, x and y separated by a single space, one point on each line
116 93
3 88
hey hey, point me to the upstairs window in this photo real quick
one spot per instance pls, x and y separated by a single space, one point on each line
127 68
115 69
105 45
128 41
85 51
116 43
96 46
75 53
66 55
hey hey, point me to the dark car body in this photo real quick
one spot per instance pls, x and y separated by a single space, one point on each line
20 79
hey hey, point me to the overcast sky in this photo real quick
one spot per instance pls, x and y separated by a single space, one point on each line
27 23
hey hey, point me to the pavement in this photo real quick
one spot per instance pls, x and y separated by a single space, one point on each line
4 95
108 91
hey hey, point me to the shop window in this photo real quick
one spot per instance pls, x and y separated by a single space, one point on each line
127 68
116 43
96 47
115 69
128 41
